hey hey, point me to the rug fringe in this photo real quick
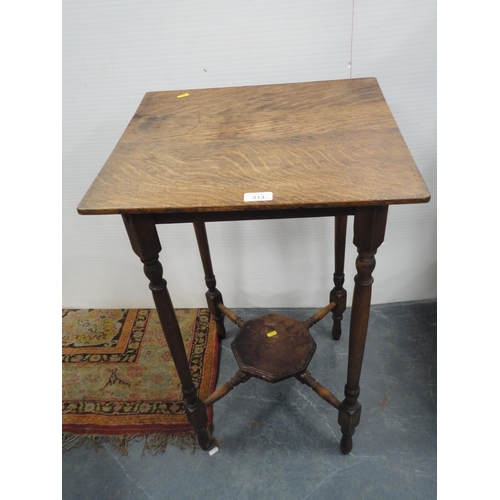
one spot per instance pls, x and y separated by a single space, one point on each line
152 443
157 443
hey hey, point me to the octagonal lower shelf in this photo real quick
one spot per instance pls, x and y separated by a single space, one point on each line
284 353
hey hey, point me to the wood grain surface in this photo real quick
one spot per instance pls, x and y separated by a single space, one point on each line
319 144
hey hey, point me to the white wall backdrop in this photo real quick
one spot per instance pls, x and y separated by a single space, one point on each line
115 51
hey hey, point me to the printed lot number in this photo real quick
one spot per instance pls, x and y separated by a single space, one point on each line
258 196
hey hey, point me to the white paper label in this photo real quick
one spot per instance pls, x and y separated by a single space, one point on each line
258 196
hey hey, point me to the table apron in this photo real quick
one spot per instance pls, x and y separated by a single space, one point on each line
173 218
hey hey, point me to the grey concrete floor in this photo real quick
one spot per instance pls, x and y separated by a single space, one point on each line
282 441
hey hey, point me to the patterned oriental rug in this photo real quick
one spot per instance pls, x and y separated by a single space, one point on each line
119 380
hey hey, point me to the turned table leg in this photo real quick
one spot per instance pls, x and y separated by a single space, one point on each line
369 229
214 297
338 294
143 236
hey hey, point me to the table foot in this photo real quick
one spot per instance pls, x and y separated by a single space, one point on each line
197 416
206 440
349 417
346 444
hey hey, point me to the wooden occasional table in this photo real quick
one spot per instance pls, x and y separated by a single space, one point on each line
316 149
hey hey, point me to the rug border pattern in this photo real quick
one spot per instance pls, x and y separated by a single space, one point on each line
171 419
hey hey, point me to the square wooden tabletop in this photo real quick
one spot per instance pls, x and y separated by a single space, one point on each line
312 145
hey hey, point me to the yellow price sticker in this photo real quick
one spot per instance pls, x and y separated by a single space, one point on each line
272 334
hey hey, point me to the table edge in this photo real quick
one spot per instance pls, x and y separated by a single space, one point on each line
82 210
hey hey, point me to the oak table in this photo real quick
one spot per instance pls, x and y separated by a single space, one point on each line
318 149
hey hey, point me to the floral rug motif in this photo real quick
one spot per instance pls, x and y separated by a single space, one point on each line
120 383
